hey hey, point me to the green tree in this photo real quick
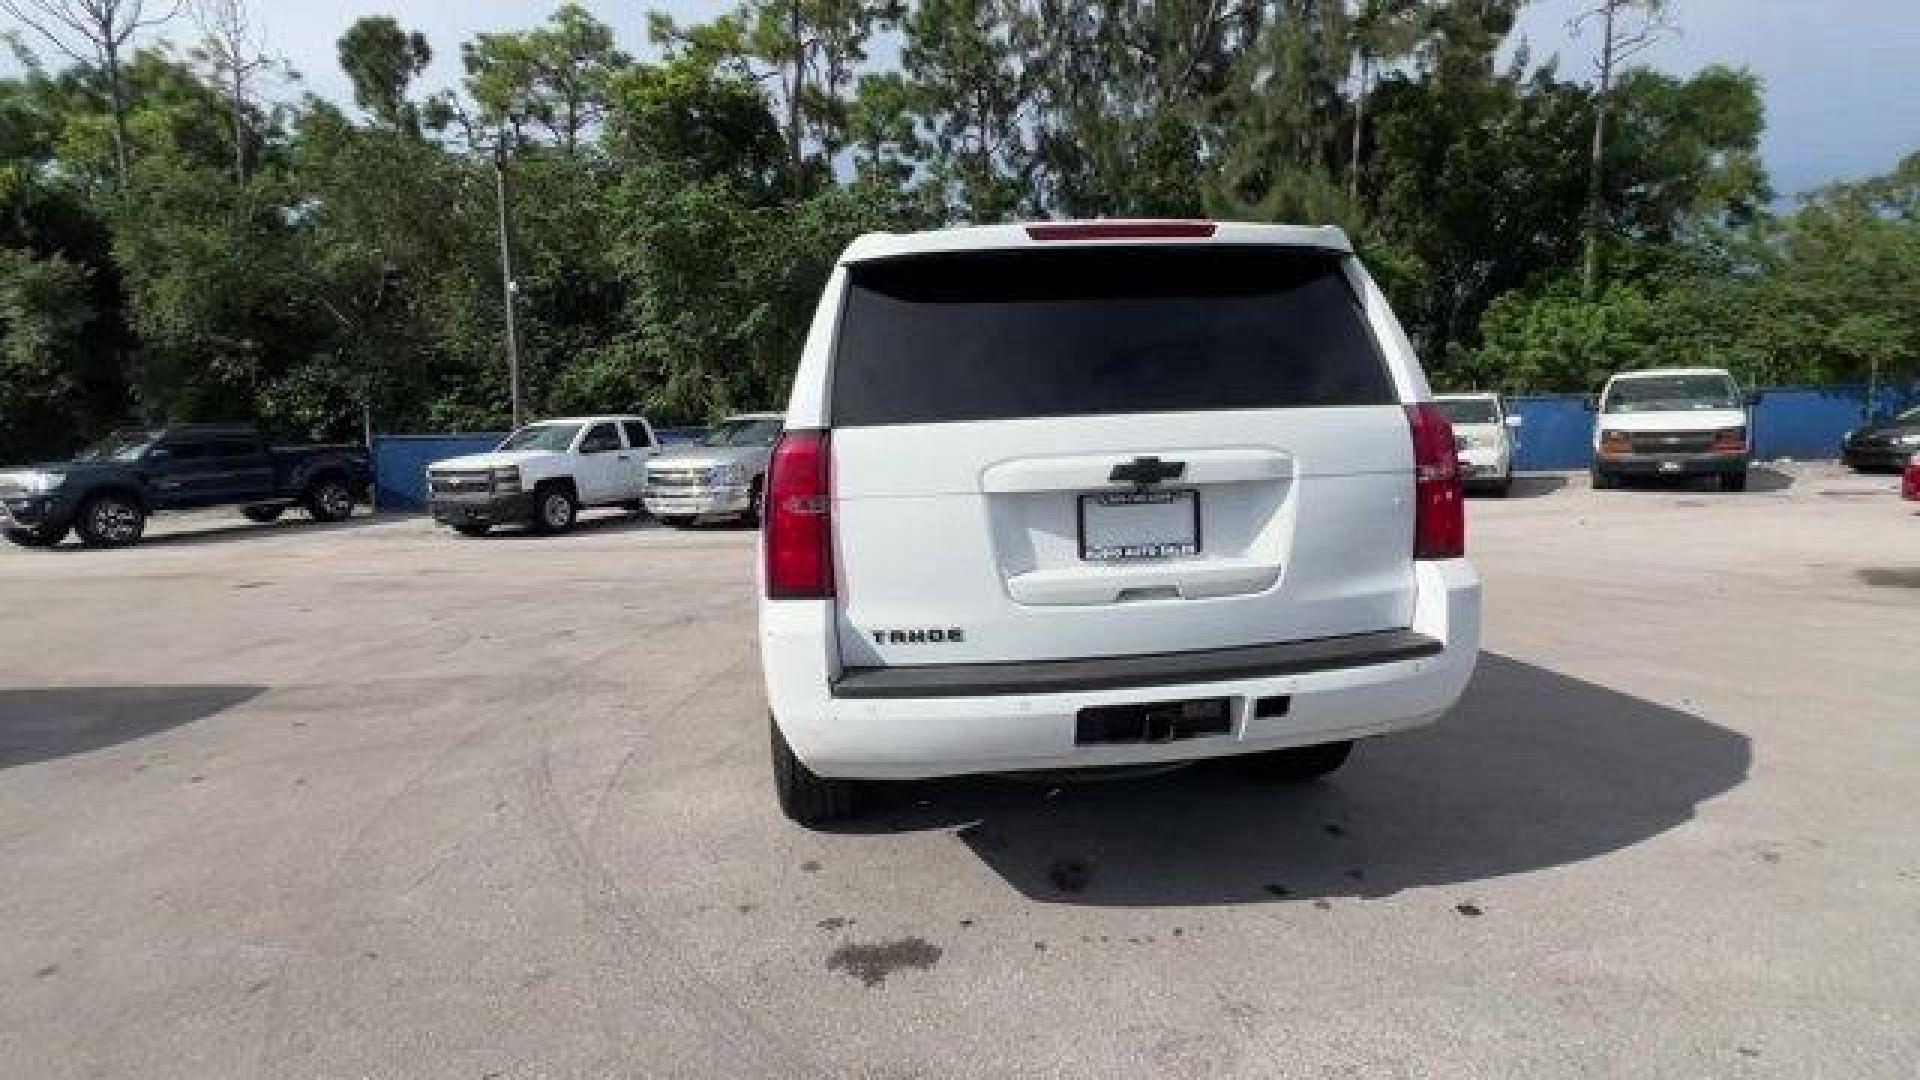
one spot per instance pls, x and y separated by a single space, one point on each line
95 33
382 60
965 85
811 50
557 77
44 321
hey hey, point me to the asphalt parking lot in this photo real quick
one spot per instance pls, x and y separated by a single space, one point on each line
374 800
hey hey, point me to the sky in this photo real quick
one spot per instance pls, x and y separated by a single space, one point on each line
1841 77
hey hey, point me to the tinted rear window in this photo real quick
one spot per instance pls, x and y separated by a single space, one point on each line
1086 331
1469 410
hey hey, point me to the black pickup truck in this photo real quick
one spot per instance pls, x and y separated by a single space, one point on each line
107 491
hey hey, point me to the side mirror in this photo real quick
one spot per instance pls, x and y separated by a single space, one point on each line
1593 402
1515 421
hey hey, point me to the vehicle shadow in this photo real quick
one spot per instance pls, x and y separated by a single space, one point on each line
1535 485
1533 769
44 723
1760 478
589 523
190 534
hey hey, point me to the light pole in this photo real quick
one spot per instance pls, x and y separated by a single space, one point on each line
509 287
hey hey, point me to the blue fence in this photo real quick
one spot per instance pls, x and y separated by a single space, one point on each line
1800 422
400 464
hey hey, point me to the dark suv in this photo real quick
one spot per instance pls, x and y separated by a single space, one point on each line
107 491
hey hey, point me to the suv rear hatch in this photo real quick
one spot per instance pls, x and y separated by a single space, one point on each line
1065 451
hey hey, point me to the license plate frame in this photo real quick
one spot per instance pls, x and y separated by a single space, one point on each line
1094 548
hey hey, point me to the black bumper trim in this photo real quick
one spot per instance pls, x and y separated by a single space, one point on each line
34 512
1690 465
1131 672
501 509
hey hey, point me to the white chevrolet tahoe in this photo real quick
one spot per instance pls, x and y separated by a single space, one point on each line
1105 493
543 474
1483 434
1678 422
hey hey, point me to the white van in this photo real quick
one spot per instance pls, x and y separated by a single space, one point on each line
1483 433
1678 422
1106 493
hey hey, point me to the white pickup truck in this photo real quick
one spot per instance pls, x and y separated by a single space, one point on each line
543 474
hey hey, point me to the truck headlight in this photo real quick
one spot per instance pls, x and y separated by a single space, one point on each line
507 480
39 483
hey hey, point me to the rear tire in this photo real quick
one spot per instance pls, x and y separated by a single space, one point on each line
1733 481
678 521
329 499
262 515
807 799
472 528
111 520
36 538
751 517
1300 764
554 509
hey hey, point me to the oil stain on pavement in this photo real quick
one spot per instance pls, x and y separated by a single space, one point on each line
872 963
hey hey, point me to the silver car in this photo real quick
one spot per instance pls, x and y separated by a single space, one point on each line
723 475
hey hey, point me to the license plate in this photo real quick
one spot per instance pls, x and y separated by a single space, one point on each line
1120 526
1670 466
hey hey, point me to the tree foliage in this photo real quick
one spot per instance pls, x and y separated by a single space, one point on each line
175 245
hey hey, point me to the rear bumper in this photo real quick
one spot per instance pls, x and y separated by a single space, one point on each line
493 510
1671 464
1486 465
1411 678
1877 459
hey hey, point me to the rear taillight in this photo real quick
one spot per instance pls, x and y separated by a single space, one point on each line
1439 506
799 514
1730 441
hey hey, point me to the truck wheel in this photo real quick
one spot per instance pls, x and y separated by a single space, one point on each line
329 499
1734 481
678 521
37 538
751 518
554 509
472 528
1299 764
805 798
111 520
262 514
